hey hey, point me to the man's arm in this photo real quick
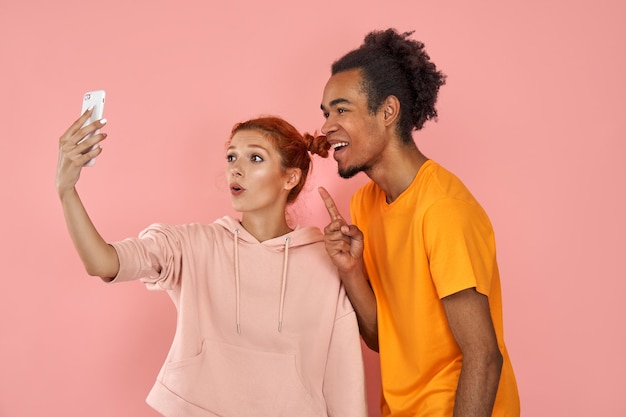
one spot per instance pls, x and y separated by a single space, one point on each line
344 244
363 300
470 322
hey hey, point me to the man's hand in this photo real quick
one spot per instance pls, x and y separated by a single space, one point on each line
344 243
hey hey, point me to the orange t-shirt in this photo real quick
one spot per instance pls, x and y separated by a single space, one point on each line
434 240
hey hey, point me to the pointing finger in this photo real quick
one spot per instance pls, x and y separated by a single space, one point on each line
330 204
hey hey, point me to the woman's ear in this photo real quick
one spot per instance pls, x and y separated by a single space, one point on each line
293 176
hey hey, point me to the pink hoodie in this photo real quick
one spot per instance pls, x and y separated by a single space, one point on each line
263 328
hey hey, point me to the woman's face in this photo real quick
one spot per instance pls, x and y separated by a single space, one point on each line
256 179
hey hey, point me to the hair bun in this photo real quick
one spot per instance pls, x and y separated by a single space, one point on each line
316 144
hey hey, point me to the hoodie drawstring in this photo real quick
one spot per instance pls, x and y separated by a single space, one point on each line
283 285
236 242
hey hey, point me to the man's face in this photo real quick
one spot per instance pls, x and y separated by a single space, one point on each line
355 134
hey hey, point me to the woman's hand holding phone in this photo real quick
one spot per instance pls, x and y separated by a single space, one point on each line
77 146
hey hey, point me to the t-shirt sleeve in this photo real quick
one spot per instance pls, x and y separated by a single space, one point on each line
155 257
460 245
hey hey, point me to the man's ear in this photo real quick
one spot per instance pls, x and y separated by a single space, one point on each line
293 176
390 110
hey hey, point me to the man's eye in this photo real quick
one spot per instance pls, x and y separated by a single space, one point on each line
341 111
326 115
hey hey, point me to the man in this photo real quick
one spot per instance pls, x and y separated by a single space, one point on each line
419 263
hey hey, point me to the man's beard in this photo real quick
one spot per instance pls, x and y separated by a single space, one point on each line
352 171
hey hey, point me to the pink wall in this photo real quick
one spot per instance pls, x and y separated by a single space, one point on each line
532 119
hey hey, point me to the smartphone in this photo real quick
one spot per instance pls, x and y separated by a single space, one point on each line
93 99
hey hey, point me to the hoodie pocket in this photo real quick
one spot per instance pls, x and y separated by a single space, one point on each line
233 381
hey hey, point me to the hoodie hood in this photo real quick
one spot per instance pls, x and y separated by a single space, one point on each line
300 236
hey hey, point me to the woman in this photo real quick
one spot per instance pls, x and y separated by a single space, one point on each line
264 327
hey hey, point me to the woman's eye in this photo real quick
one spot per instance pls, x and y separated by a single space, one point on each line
230 158
256 158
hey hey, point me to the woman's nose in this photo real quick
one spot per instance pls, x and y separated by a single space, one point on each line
235 169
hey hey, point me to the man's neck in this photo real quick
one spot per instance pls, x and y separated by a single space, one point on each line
395 172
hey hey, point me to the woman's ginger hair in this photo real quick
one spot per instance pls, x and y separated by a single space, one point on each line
292 146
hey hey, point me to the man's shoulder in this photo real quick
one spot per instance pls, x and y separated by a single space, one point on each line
440 181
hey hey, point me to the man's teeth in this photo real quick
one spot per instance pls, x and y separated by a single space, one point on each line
338 145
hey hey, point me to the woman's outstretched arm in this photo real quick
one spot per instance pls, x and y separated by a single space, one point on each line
99 258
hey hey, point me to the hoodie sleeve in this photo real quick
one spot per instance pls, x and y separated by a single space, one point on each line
344 380
155 257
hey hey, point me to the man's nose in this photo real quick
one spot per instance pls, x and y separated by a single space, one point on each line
329 126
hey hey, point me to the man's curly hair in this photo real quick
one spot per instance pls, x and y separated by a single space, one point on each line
393 64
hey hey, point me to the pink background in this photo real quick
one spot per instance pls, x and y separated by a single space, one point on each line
532 119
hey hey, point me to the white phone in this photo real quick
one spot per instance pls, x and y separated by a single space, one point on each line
93 99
